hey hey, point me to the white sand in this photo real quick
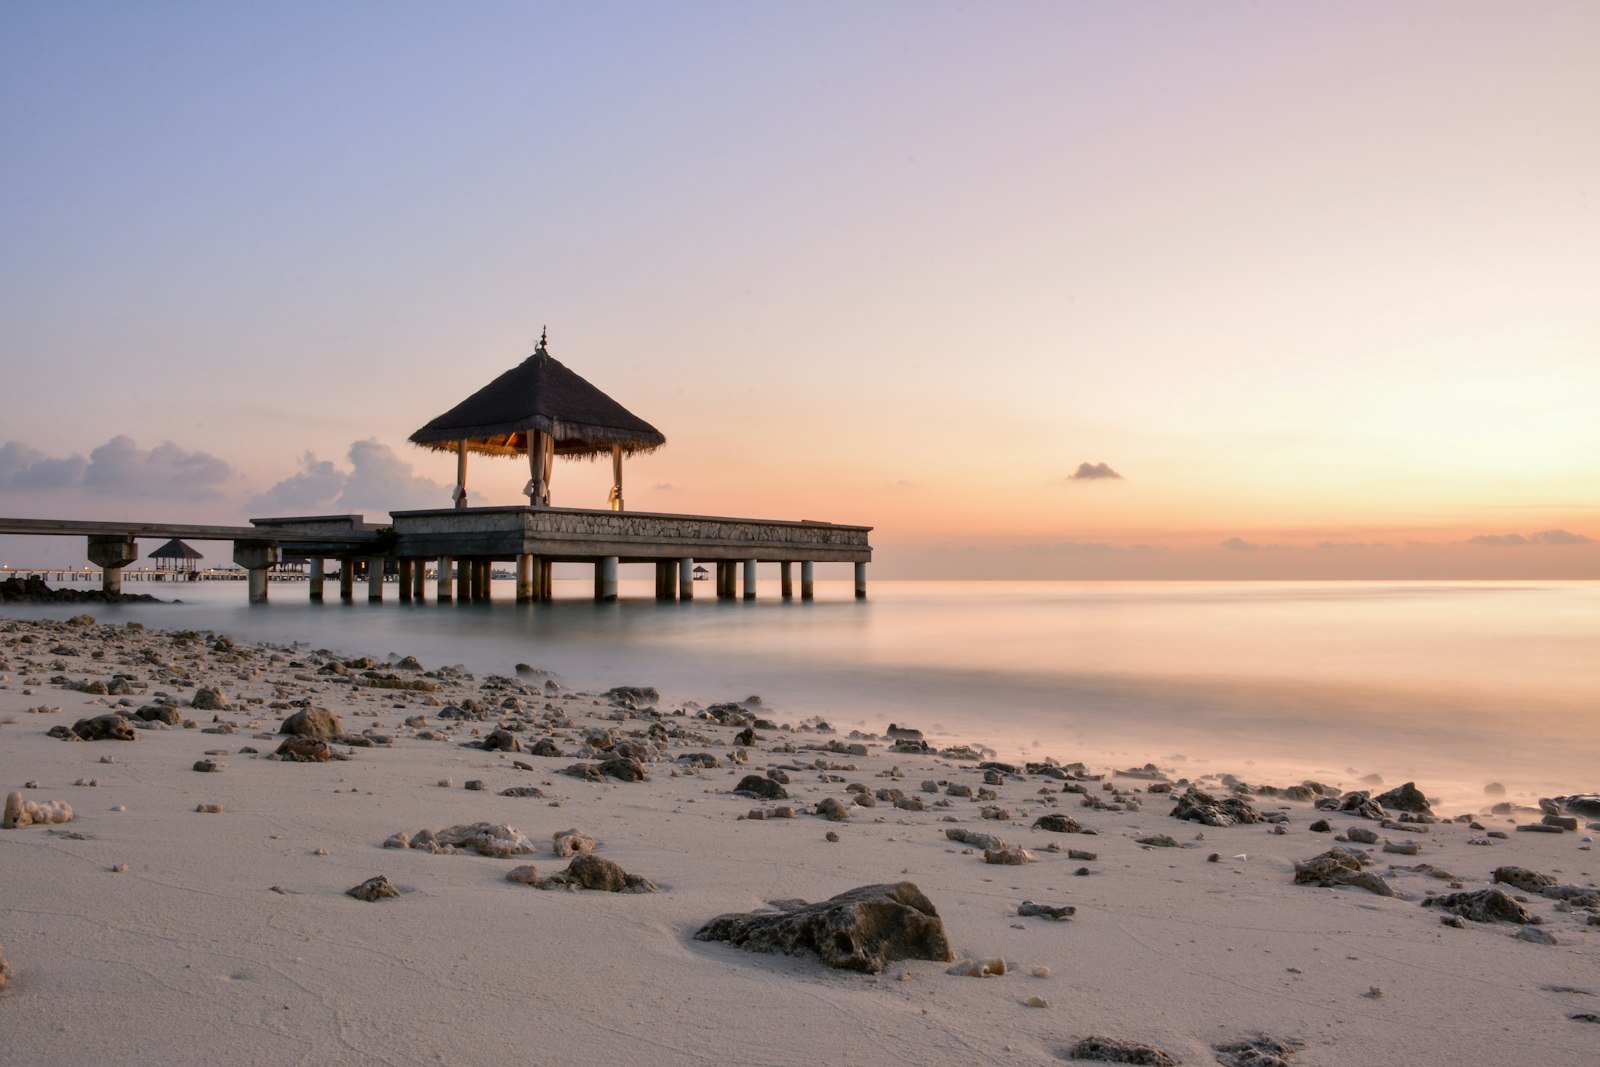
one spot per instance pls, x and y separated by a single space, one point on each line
190 956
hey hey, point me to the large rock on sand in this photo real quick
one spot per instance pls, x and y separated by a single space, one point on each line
862 929
109 727
319 724
1405 798
1201 807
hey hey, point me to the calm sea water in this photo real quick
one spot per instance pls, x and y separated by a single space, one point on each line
1452 684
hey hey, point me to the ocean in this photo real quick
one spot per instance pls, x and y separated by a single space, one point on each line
1454 685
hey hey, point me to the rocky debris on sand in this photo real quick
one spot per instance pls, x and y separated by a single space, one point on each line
1357 802
108 727
1057 823
167 714
588 871
861 929
987 842
375 888
1404 798
1009 856
833 808
20 812
304 750
1481 906
571 842
527 874
501 740
994 967
1259 1051
760 787
1584 804
1110 1050
496 840
620 768
1197 806
209 699
1047 911
318 724
522 791
207 766
1158 841
1361 835
1546 886
546 746
1337 867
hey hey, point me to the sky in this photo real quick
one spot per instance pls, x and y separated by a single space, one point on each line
1037 290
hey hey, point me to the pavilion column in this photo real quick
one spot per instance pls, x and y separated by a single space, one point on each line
749 579
786 579
406 567
807 586
375 579
419 580
605 578
114 552
315 579
616 477
460 493
686 578
547 589
347 579
861 581
441 579
524 578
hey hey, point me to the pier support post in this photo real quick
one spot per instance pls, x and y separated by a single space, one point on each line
686 578
524 578
441 579
315 579
419 580
724 579
112 554
861 581
786 579
807 585
347 580
375 579
406 567
541 577
605 570
256 557
485 578
749 579
464 572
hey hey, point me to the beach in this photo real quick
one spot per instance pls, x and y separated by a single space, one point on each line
188 915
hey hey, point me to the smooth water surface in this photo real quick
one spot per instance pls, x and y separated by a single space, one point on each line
1453 684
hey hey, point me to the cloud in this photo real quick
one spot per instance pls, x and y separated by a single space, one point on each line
118 469
1353 544
378 480
1239 544
664 487
1543 537
1088 472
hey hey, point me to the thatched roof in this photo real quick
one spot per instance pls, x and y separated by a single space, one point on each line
175 549
540 394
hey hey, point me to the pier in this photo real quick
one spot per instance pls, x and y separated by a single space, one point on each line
459 548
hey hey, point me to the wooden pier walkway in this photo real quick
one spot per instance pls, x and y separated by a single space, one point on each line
462 546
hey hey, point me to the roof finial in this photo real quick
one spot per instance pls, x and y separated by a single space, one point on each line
544 336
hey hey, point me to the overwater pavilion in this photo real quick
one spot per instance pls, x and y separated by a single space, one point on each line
176 561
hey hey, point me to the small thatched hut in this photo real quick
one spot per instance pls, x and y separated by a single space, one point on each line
175 557
542 410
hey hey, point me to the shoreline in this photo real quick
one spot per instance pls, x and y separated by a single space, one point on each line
241 913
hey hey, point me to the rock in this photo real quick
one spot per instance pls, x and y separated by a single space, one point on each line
1261 1051
1360 802
318 724
1561 822
397 840
1320 827
487 839
162 713
990 968
475 785
987 842
208 699
760 787
375 888
527 874
1158 841
1536 935
1405 798
834 809
1012 856
904 733
1584 804
20 812
501 740
588 871
861 929
1402 848
1338 867
1481 906
207 766
546 746
1064 911
1058 824
632 696
1523 879
1200 807
303 750
111 727
1361 835
1110 1050
522 791
572 842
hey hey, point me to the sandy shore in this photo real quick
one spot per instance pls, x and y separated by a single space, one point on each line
151 931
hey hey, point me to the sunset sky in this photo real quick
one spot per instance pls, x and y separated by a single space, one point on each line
1037 290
